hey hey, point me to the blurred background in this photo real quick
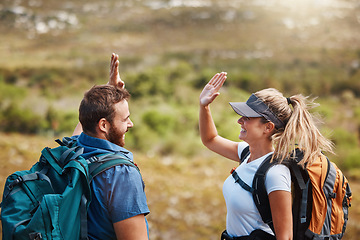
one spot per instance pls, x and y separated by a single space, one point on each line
51 52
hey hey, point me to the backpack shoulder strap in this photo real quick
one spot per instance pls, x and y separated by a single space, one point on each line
260 196
258 189
66 141
244 154
98 164
301 181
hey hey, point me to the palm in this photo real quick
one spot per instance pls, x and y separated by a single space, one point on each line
114 76
210 91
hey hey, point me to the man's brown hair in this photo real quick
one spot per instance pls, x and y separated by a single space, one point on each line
99 103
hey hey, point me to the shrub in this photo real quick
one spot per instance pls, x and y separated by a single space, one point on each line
203 77
156 81
350 159
161 123
67 122
15 119
9 92
345 139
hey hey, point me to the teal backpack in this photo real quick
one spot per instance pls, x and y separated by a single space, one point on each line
50 200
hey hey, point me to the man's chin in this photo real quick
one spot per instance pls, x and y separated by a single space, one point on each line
120 143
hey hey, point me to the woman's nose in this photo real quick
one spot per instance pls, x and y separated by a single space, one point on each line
130 124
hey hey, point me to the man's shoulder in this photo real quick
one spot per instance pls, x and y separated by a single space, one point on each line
126 171
120 175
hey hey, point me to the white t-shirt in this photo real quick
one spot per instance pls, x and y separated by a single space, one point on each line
242 215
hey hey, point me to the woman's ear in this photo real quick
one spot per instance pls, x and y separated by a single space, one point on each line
269 127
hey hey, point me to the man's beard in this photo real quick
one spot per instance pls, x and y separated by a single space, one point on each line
115 136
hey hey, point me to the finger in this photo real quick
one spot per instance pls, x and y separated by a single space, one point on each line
214 78
116 66
117 62
121 84
112 61
212 98
220 81
218 78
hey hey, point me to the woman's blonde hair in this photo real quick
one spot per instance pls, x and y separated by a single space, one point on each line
300 129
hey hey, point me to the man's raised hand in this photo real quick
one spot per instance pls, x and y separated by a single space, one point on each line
114 76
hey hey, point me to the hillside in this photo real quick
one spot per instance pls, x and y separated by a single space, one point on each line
54 51
74 33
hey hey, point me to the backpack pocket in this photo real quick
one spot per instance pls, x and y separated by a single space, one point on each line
340 203
21 202
331 199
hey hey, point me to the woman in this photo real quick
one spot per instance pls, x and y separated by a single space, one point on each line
268 126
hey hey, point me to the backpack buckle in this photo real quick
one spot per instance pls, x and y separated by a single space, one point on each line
332 195
35 236
92 159
15 182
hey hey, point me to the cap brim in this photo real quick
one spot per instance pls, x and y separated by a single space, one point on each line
243 109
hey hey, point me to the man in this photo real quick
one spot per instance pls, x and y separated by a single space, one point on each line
118 206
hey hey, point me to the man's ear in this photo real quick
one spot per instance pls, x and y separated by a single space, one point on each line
103 125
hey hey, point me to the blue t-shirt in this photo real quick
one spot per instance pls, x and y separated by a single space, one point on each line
117 193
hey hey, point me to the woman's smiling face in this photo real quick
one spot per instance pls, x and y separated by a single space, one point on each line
252 129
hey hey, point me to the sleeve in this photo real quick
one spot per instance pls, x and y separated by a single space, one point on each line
125 195
278 178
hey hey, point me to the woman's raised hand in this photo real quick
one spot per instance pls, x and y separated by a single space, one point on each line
114 76
210 91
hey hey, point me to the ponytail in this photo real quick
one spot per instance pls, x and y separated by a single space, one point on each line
300 130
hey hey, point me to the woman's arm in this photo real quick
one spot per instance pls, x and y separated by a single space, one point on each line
280 204
208 133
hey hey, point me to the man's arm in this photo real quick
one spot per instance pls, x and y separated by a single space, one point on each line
133 228
78 129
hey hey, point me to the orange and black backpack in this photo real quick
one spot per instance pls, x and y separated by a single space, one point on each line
321 197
